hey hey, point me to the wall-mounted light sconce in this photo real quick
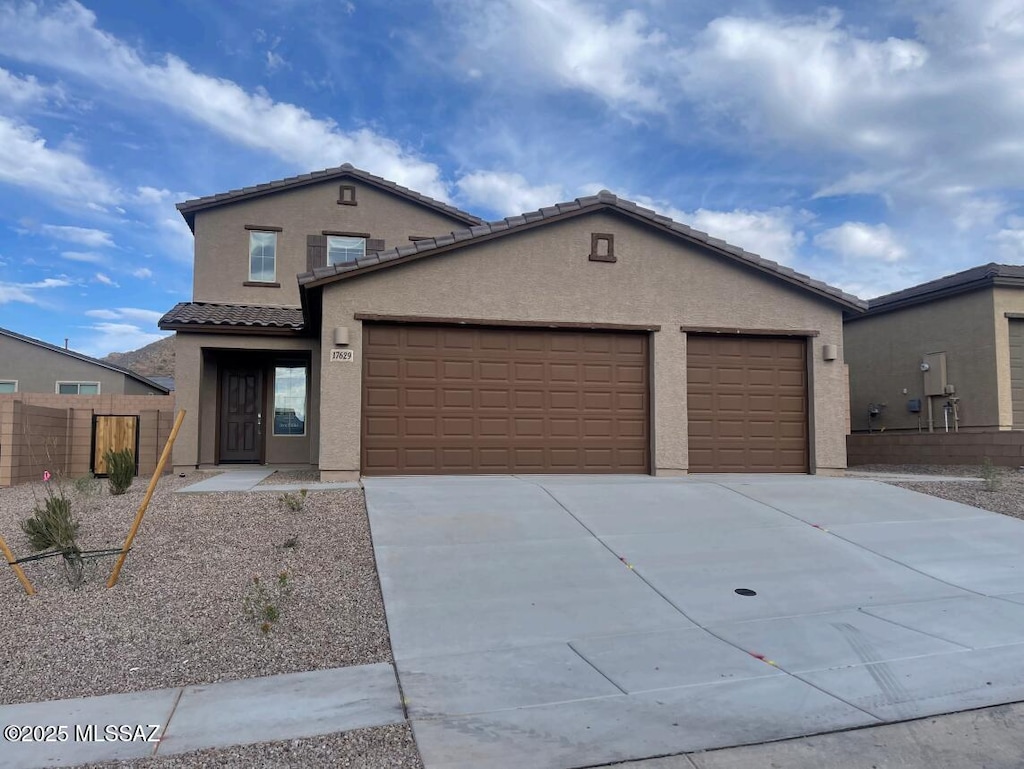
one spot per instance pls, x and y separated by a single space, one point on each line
341 336
829 352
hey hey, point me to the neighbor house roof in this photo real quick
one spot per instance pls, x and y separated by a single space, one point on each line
982 276
79 356
207 316
189 208
604 200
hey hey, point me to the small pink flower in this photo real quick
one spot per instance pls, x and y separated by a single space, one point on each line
46 475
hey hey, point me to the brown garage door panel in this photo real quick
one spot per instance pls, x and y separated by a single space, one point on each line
747 404
497 400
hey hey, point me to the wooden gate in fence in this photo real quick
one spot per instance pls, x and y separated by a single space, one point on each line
113 433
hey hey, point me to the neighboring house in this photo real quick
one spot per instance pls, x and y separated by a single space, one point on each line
967 329
31 366
335 324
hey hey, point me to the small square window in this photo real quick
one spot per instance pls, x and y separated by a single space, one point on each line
347 195
262 256
8 386
602 247
342 249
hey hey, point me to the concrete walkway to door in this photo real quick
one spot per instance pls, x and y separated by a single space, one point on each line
570 621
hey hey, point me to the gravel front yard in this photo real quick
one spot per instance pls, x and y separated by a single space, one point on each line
1007 498
178 615
384 747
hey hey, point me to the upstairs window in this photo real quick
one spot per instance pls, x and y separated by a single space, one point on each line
78 388
262 256
342 249
8 386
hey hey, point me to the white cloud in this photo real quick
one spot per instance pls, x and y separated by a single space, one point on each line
275 62
111 337
18 91
563 44
66 37
1010 240
60 282
89 257
27 161
506 193
25 292
82 235
859 241
102 314
126 313
106 280
142 273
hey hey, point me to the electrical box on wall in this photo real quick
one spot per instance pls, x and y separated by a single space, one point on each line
914 405
933 365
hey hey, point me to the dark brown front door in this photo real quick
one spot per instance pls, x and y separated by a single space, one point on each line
747 404
439 399
241 415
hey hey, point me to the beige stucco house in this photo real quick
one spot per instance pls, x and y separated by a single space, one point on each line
952 348
344 322
30 365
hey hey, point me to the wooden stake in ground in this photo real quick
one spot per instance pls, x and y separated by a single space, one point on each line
116 573
17 568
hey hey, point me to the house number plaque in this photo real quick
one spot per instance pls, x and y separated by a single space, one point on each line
342 355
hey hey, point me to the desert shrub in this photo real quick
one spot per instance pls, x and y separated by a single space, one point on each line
120 470
87 485
990 475
52 526
265 598
294 502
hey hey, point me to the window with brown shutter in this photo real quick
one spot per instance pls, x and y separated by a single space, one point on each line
316 252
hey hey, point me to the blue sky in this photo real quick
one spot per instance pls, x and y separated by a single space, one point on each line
873 146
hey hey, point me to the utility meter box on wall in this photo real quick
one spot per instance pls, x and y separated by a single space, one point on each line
933 365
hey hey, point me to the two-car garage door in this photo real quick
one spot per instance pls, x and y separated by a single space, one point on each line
460 400
449 399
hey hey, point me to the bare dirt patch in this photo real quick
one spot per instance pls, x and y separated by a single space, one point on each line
178 615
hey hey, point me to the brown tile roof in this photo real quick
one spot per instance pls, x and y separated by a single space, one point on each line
189 208
194 315
982 276
603 199
79 356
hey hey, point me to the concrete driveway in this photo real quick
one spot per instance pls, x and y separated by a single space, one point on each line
566 621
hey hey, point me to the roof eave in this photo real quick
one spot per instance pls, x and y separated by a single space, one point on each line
987 281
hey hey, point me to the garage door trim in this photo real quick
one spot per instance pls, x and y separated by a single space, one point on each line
494 323
728 330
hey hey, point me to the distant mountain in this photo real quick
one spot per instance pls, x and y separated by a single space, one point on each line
156 359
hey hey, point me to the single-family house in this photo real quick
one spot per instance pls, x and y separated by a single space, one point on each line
943 355
342 321
30 365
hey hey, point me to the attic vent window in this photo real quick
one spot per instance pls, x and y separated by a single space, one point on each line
347 195
602 247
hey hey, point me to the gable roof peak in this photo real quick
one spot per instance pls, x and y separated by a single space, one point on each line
189 208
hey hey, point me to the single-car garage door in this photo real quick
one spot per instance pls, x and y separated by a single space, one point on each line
747 404
448 399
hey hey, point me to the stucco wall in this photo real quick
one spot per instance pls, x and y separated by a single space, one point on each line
1005 300
222 242
38 370
545 274
196 362
885 351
